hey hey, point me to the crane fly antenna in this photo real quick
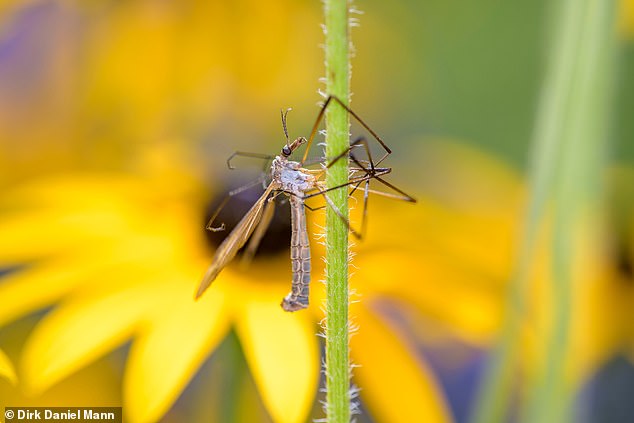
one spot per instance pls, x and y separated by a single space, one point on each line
284 113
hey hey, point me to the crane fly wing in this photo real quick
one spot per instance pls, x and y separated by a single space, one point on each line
258 233
234 241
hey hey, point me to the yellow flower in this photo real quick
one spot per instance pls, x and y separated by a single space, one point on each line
6 368
95 385
112 79
487 201
120 257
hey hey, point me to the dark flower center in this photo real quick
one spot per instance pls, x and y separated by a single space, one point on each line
276 239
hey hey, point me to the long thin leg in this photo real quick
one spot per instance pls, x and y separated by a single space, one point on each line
348 152
354 232
371 172
312 209
352 181
361 141
359 234
224 202
320 116
376 174
404 196
364 212
266 157
323 193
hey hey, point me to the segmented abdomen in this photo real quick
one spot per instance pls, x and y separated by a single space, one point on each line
297 299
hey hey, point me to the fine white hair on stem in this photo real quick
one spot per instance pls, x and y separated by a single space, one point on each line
322 326
353 326
353 292
351 253
323 371
320 233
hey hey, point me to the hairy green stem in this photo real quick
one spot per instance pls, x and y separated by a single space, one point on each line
337 140
570 132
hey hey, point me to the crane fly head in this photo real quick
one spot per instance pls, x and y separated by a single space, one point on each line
288 149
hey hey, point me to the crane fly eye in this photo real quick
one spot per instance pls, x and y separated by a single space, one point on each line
286 151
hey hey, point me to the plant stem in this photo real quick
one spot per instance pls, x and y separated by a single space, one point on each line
588 46
569 136
337 140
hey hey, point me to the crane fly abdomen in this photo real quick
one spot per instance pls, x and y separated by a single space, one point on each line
297 299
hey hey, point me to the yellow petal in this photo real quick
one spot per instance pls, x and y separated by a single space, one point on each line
32 236
474 204
79 332
6 368
626 19
36 286
24 291
281 349
475 298
77 218
39 285
396 386
67 214
170 350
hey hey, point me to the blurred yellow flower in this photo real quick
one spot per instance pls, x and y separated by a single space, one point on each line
468 241
96 385
6 368
103 81
626 18
120 257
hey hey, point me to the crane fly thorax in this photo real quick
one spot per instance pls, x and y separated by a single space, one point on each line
291 176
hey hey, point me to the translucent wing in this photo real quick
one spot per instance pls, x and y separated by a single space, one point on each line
258 233
234 241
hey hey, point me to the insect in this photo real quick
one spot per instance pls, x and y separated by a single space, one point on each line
298 184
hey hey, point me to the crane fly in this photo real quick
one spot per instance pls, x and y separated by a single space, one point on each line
298 184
